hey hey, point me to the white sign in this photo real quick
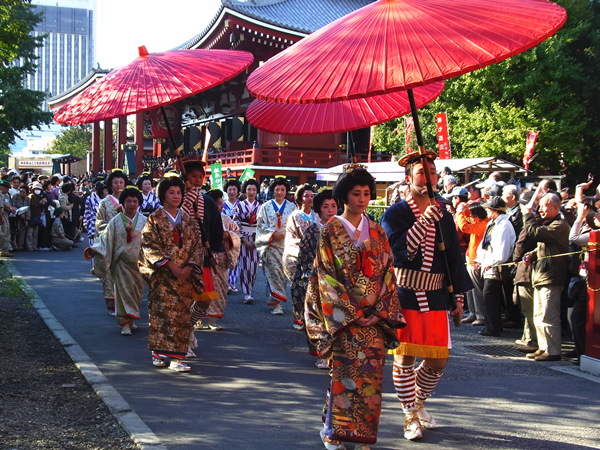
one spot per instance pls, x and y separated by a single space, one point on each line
35 163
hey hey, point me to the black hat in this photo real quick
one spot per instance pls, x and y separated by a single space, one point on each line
495 203
526 198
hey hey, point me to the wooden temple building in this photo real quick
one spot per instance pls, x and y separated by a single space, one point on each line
215 119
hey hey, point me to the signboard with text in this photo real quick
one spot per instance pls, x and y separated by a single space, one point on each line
442 133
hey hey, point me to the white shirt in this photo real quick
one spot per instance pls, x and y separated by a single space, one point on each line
501 245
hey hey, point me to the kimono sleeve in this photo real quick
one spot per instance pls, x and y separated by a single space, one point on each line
316 330
264 230
152 255
101 218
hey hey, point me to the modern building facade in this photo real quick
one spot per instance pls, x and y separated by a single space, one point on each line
69 51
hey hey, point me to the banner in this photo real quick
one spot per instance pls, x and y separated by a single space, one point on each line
409 126
248 173
443 139
154 122
529 147
216 176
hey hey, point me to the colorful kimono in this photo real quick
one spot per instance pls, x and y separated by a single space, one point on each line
229 210
150 203
107 209
164 239
295 227
273 218
225 261
419 269
353 278
245 216
120 255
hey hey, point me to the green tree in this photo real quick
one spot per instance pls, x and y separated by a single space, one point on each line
73 140
551 88
20 108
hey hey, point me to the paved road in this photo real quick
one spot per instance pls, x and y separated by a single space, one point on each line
254 386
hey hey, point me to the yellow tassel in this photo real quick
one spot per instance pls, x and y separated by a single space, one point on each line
421 351
205 296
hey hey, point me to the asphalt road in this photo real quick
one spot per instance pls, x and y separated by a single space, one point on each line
254 386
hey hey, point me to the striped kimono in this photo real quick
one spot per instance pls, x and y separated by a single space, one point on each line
273 218
229 210
89 217
419 270
149 204
245 216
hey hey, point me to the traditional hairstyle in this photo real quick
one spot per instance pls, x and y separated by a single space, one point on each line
325 194
250 182
165 184
347 181
300 193
143 177
131 191
279 181
100 186
215 194
232 182
116 173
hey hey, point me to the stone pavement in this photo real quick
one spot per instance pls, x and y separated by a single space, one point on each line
254 385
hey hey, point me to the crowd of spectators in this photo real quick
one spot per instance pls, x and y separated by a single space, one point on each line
520 247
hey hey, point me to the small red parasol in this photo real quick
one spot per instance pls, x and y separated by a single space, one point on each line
393 45
153 80
337 117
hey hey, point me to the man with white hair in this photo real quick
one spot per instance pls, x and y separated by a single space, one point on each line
549 273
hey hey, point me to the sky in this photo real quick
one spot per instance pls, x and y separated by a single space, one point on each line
124 25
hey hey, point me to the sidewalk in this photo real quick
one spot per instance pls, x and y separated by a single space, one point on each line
254 385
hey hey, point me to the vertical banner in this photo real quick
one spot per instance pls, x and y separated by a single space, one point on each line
529 147
216 176
371 137
409 126
443 139
248 173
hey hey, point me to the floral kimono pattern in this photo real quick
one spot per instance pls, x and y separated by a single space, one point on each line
270 248
169 300
107 209
121 253
225 262
295 228
347 283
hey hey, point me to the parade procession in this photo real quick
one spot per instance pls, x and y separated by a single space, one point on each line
339 224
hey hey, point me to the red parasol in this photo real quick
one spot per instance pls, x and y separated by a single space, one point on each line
393 45
337 117
153 80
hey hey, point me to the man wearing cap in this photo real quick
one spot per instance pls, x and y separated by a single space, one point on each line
450 182
549 273
420 271
495 248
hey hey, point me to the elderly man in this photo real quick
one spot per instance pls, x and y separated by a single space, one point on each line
549 273
450 182
495 248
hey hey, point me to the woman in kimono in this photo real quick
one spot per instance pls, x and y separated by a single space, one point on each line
326 207
121 252
171 263
150 201
225 262
108 208
245 216
298 222
352 312
270 237
232 188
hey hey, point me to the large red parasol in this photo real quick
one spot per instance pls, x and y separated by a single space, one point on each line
337 117
153 80
392 45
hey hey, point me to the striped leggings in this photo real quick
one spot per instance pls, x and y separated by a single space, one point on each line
411 383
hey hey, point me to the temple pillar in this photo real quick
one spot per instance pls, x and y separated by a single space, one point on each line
108 146
96 147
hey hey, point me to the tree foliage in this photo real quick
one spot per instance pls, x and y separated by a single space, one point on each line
74 140
551 88
20 108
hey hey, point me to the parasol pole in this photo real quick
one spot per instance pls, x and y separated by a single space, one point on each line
441 245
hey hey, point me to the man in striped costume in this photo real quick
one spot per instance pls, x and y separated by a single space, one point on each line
419 267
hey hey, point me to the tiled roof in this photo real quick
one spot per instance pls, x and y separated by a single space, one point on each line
304 16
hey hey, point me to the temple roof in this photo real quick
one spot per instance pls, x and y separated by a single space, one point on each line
303 16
